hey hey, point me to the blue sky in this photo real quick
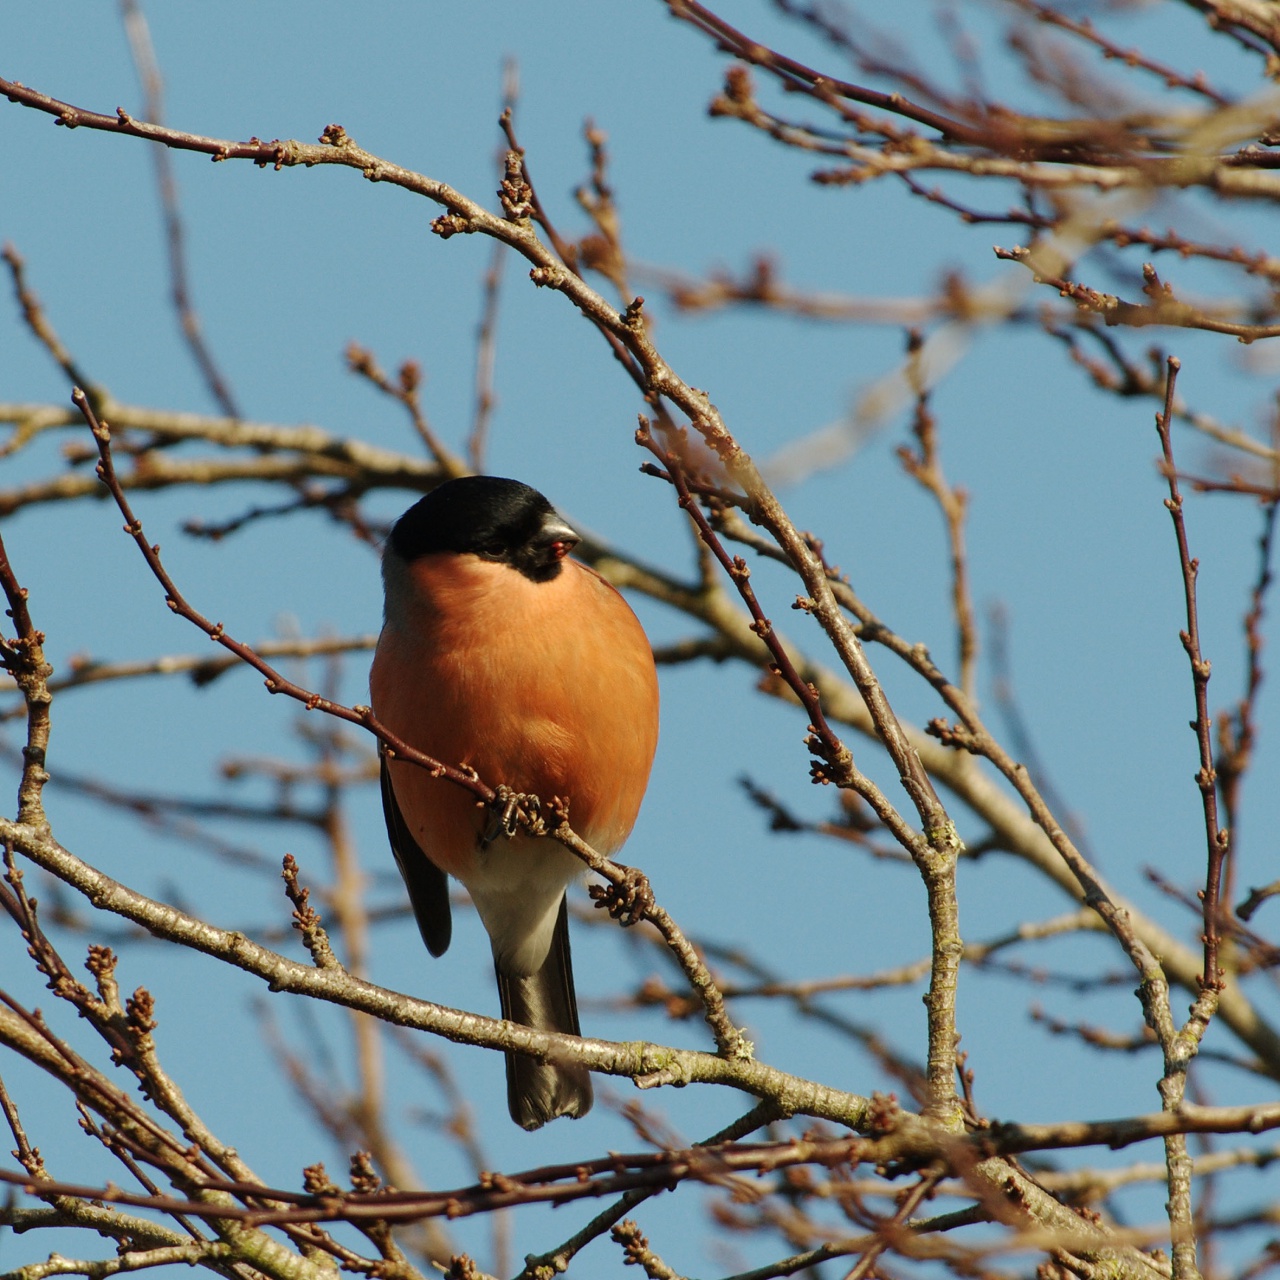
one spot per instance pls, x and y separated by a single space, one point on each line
1067 529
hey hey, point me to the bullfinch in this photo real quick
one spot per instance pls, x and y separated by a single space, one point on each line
500 653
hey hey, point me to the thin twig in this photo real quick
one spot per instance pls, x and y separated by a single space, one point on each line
486 348
925 466
1217 838
405 390
147 66
1178 1051
38 322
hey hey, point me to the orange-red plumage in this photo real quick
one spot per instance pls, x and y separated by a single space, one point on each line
548 687
532 670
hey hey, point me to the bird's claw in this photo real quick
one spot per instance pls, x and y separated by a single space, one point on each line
629 901
509 812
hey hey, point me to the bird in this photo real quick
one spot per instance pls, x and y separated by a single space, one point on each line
501 654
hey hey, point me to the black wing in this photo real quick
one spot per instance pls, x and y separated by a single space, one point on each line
428 886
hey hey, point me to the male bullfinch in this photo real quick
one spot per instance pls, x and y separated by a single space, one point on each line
499 652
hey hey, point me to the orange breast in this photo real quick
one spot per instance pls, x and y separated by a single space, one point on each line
549 688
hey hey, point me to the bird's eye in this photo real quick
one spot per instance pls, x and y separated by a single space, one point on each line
494 549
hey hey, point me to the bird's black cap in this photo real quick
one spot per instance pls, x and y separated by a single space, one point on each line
488 516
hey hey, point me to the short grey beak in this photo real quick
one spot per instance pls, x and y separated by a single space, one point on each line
554 529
